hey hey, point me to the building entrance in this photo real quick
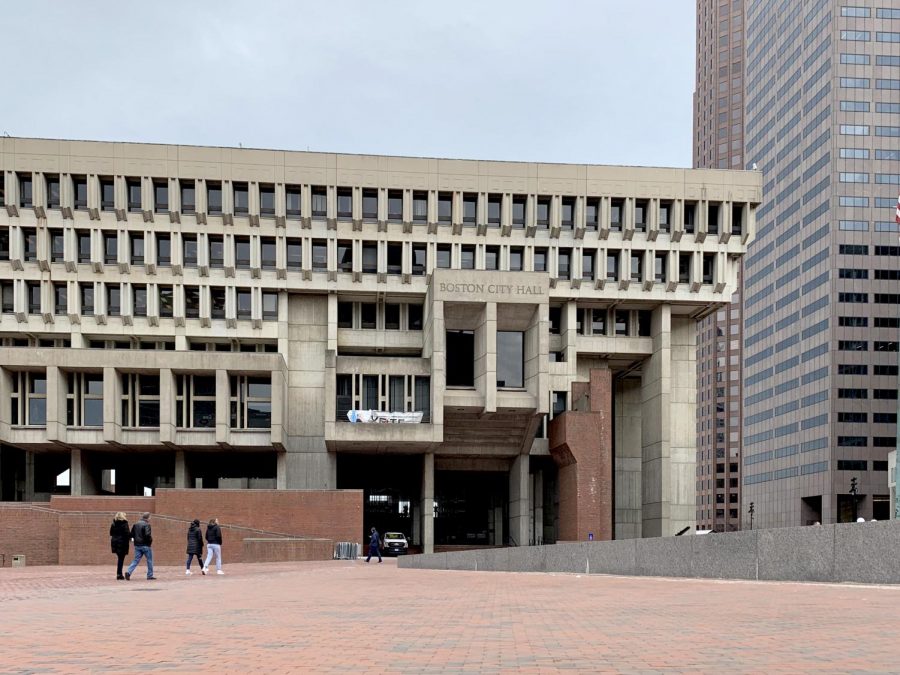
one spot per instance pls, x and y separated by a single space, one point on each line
471 508
391 487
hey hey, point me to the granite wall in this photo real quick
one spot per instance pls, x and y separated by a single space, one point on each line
854 552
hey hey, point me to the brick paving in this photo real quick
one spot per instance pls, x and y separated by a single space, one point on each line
340 616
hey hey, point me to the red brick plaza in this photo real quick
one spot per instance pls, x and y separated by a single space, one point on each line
342 616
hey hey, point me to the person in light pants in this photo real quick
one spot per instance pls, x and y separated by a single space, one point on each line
213 546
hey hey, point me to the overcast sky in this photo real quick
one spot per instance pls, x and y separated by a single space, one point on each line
598 81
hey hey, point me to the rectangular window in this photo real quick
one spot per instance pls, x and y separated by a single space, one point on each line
244 303
195 402
860 12
107 194
29 243
241 199
887 37
110 248
414 316
26 191
516 256
87 299
543 212
467 257
856 35
391 316
161 196
269 306
133 190
587 265
510 359
491 257
345 315
637 267
443 256
60 298
395 205
192 302
519 203
394 258
370 258
855 59
217 303
567 213
84 245
319 202
494 204
188 196
166 301
84 400
419 254
294 258
267 254
445 207
368 315
214 198
216 252
293 201
251 402
592 214
79 189
344 203
470 208
139 300
52 184
319 255
420 207
852 177
564 259
540 260
267 201
140 400
598 321
855 106
113 300
854 83
189 250
854 130
345 256
33 292
370 204
854 153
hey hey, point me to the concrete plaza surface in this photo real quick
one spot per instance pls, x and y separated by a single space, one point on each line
342 616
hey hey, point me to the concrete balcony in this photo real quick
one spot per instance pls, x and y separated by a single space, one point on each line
376 341
368 438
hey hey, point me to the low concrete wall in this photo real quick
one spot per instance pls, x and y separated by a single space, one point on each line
258 549
858 552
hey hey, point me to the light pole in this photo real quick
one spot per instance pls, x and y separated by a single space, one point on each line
853 492
751 515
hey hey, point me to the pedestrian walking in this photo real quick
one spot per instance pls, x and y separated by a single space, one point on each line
194 546
374 545
213 545
143 540
119 539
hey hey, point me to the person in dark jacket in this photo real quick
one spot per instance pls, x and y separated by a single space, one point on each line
119 538
194 546
374 545
143 540
213 545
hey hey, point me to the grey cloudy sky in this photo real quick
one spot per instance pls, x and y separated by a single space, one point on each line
603 81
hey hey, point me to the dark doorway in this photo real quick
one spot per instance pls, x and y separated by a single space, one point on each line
391 488
881 507
232 470
460 358
471 508
811 510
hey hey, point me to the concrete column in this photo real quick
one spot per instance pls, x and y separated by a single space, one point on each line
166 406
80 479
668 442
281 471
428 503
628 462
182 473
683 436
519 506
29 477
112 409
56 404
537 507
656 415
223 402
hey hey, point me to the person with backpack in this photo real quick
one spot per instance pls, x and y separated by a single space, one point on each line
213 546
143 540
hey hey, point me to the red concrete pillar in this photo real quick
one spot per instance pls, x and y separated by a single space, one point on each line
581 445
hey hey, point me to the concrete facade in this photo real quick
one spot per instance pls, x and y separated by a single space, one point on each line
181 316
820 301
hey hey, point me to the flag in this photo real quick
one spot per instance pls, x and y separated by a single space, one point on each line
897 216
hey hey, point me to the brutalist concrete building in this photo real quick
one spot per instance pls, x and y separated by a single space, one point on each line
822 121
495 352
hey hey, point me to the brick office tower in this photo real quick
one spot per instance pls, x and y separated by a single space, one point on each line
820 287
719 143
208 317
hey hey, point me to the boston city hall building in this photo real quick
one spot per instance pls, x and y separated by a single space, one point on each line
496 353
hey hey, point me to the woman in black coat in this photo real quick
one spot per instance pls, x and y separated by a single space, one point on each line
119 538
194 546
